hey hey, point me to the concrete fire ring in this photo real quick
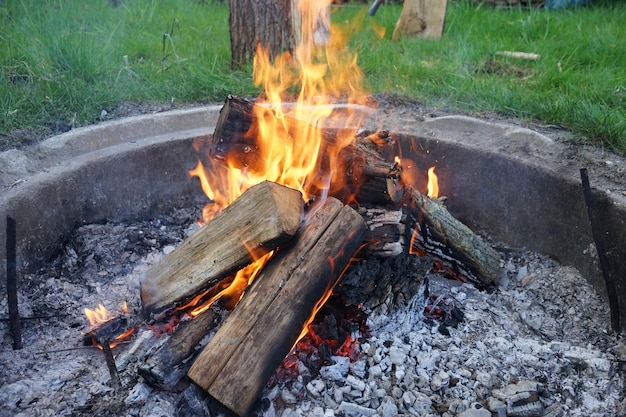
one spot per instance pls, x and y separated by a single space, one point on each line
519 186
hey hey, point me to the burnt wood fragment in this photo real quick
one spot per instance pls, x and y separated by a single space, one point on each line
166 366
441 235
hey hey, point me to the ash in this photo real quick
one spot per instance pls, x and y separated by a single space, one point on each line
538 344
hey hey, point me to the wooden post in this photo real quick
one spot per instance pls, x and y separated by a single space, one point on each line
264 217
421 18
251 343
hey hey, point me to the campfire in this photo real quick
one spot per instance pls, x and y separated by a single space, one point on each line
315 282
282 227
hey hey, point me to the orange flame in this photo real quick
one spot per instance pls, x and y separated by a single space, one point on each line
101 315
298 94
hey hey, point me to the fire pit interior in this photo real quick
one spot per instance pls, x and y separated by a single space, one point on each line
407 340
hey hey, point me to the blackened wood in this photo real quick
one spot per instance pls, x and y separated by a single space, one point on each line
251 343
108 330
441 235
263 218
14 314
165 367
110 361
360 170
598 238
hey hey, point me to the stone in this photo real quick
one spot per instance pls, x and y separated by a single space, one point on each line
355 410
388 408
475 410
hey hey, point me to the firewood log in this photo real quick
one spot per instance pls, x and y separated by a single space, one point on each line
421 18
251 343
360 168
441 235
263 218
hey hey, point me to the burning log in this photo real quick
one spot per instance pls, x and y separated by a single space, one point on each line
360 165
165 367
258 334
260 220
441 235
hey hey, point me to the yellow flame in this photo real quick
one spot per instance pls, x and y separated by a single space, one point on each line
101 315
433 183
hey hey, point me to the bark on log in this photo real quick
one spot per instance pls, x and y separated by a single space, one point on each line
165 367
441 235
361 170
260 220
258 334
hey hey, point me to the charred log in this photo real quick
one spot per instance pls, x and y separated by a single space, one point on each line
441 235
166 366
360 168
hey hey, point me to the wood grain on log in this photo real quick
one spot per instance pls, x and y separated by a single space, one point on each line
264 217
422 18
253 340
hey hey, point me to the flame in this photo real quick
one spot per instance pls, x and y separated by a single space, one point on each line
433 183
298 94
101 315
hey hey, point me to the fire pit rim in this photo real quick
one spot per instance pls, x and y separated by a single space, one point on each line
58 163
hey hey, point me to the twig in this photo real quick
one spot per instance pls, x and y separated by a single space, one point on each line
110 360
14 313
596 231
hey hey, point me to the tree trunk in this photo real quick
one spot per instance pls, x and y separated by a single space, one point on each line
264 22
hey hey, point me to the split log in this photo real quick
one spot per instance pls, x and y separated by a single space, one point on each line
263 218
166 366
421 18
251 343
441 235
360 168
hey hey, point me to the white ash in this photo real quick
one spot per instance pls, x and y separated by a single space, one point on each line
537 345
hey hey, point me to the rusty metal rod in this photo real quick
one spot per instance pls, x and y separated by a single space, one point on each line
598 238
14 313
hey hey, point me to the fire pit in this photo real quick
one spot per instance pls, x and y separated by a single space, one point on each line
407 365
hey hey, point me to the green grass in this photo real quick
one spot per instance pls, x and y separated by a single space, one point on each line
70 59
579 82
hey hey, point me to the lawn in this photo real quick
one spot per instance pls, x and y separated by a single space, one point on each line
67 60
